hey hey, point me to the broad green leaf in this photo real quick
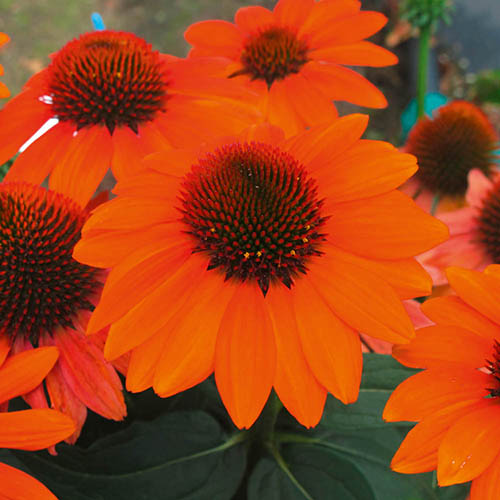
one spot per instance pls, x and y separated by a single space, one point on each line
177 456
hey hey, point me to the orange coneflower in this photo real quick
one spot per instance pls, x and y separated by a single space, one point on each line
260 258
456 398
294 56
458 139
115 100
46 298
27 429
4 91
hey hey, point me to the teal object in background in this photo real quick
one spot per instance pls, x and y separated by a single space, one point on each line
97 21
433 101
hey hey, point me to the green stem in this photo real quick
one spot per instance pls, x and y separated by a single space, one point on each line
423 66
263 430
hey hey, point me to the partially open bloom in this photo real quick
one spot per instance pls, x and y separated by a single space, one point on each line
115 100
456 398
458 139
294 56
27 429
260 258
474 230
4 91
46 298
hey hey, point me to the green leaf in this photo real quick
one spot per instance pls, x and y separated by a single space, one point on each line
177 456
306 472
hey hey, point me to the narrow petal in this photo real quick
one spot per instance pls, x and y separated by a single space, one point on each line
332 348
419 450
378 227
470 446
436 345
432 390
92 379
252 18
34 429
343 84
17 485
355 54
281 112
479 290
23 372
79 173
298 389
292 12
189 349
362 299
220 37
245 356
487 485
479 186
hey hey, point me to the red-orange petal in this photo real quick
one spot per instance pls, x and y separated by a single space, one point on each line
34 429
292 12
245 355
17 485
298 389
355 54
436 345
23 372
4 348
470 446
432 390
331 347
220 37
78 174
377 227
280 110
487 485
252 18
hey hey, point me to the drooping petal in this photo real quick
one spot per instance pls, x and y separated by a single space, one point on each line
17 485
245 356
221 38
355 54
479 186
487 485
292 12
298 389
252 18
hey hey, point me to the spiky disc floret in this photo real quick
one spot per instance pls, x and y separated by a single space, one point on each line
109 78
272 54
41 285
459 139
489 223
252 208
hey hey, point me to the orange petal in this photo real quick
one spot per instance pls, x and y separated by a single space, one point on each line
292 12
479 290
37 161
343 84
252 18
419 450
20 118
173 162
432 390
280 110
150 184
143 321
332 349
17 485
4 348
377 227
245 356
470 446
362 299
487 485
189 349
220 37
23 372
78 174
34 429
92 379
453 311
299 391
436 345
355 54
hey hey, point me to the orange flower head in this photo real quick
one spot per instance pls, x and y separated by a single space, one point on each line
455 399
458 139
110 92
260 259
46 298
109 78
4 91
293 57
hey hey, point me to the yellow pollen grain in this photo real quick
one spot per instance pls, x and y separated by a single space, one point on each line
212 229
292 252
259 253
305 240
246 255
308 227
119 75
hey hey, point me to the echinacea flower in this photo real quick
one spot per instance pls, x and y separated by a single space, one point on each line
27 429
458 139
115 100
474 230
4 91
455 400
259 259
46 298
294 56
